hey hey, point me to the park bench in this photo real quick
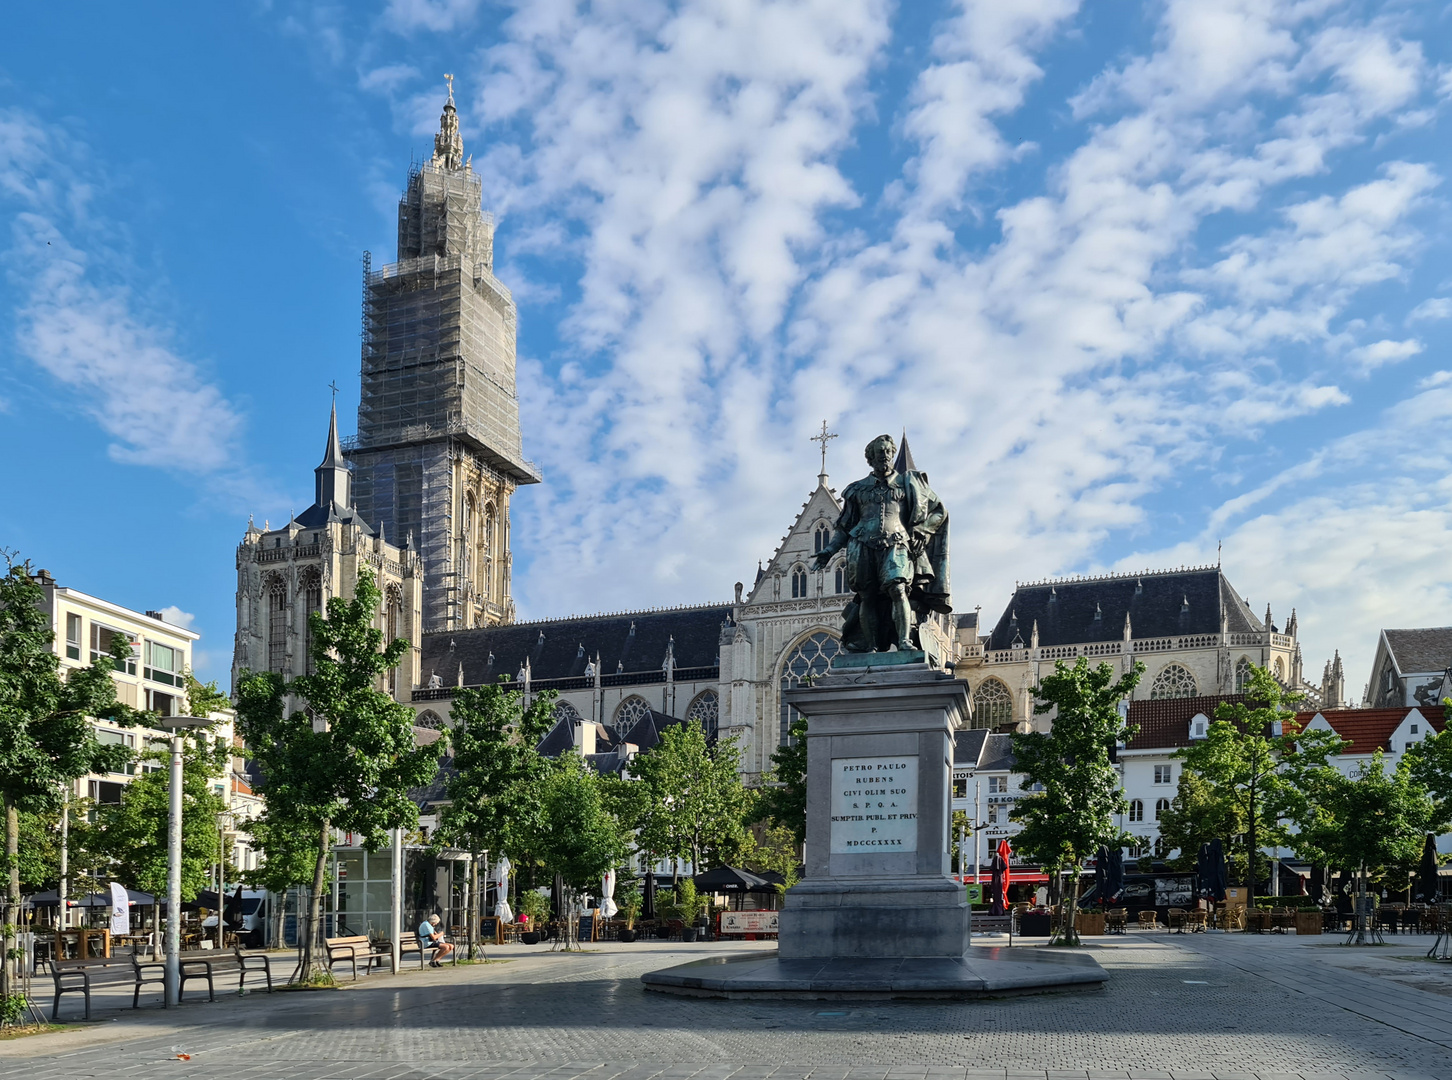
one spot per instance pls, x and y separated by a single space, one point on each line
75 975
201 965
993 924
357 947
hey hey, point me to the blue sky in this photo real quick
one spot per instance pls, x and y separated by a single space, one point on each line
1137 279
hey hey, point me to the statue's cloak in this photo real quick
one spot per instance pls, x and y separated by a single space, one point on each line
926 520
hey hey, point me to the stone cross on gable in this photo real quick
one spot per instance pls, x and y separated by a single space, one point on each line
823 438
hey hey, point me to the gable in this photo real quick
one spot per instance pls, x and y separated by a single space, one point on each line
799 545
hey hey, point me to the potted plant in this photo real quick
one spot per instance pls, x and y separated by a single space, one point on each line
536 908
629 901
689 906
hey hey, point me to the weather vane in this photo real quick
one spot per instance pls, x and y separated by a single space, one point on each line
823 439
450 80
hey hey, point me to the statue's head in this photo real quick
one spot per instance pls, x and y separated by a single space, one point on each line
880 454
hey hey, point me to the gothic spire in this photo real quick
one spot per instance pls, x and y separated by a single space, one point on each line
904 457
332 477
448 143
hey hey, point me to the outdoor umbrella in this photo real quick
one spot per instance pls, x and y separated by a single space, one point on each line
1000 878
1204 873
729 879
1220 876
501 874
557 897
1427 884
608 907
1115 877
647 901
103 899
1318 884
1101 876
49 898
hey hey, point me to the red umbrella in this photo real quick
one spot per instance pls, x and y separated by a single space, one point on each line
1001 877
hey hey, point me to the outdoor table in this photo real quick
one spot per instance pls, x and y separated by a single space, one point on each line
1176 920
87 944
1257 922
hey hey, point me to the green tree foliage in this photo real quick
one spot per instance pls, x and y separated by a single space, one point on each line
348 761
1251 781
783 800
495 789
1431 765
778 850
203 699
1065 823
46 738
289 851
579 840
132 834
1199 812
693 805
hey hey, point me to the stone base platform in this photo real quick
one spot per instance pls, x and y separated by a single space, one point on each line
983 971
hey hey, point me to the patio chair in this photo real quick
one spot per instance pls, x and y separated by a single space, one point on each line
1115 920
1148 919
1175 920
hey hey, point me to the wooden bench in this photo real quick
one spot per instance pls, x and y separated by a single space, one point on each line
355 948
993 924
200 965
72 975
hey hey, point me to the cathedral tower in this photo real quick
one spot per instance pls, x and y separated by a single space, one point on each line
438 452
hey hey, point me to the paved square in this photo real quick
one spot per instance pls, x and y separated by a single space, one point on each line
1213 1007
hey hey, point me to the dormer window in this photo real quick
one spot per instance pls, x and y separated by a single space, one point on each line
1414 729
277 542
1200 726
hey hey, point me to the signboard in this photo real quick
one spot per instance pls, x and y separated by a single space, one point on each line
1175 892
748 922
874 805
975 894
586 930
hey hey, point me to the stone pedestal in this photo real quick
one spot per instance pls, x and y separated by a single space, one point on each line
879 784
877 914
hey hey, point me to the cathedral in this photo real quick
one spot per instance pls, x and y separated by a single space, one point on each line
421 496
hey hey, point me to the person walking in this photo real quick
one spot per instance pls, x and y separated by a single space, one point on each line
431 937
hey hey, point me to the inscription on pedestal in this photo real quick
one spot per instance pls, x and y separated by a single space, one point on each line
874 804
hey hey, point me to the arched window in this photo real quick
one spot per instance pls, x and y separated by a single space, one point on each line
809 659
1136 810
466 545
1242 675
429 719
705 709
565 711
486 551
841 581
392 627
1161 805
1280 670
312 585
992 704
277 625
630 712
799 582
1174 681
822 539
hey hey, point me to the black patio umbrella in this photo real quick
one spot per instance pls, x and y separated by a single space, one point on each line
1204 873
103 899
647 900
1000 868
729 879
1115 877
1101 876
1318 884
1428 888
770 880
49 898
1220 873
557 897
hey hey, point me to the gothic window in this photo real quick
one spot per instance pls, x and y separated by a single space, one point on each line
466 542
565 711
705 710
841 582
1242 675
1174 681
392 627
1161 806
486 550
630 712
1280 670
277 625
799 582
1136 810
992 704
822 539
429 719
312 585
809 659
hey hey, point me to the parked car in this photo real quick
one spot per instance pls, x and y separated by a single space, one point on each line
252 918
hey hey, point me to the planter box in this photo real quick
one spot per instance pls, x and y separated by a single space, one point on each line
1308 922
1089 923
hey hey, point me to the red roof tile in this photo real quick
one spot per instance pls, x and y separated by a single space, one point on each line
1369 730
1165 723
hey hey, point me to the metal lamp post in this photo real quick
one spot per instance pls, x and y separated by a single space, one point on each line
176 725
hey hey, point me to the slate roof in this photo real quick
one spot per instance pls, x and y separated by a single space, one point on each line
1369 730
1161 604
560 648
1165 723
997 754
1423 650
315 517
968 747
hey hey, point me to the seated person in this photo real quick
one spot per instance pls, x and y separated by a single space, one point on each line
431 937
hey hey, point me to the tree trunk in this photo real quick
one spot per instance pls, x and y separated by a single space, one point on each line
471 909
1068 926
312 941
12 897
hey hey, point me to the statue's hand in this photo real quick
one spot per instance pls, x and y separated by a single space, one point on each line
822 558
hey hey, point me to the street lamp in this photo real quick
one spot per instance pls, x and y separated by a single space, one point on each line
176 725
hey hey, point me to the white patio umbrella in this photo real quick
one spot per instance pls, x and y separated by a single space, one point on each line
501 875
608 907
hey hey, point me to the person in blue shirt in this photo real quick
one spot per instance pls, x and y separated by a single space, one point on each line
431 937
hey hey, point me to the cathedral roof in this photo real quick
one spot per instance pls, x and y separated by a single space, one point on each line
1422 650
1164 723
1158 604
561 648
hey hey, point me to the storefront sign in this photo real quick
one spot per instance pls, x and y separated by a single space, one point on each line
874 805
748 922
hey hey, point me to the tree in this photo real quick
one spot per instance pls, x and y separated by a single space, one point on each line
1073 814
783 800
46 737
1431 764
1370 821
132 834
693 800
778 851
1255 764
494 791
1199 812
579 839
349 760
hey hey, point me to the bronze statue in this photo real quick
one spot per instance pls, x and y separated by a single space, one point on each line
895 530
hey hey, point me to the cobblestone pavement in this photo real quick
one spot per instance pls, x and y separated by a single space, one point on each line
1211 1007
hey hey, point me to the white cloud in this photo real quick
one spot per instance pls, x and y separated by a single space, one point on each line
177 617
1431 309
440 16
79 322
1372 356
388 78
